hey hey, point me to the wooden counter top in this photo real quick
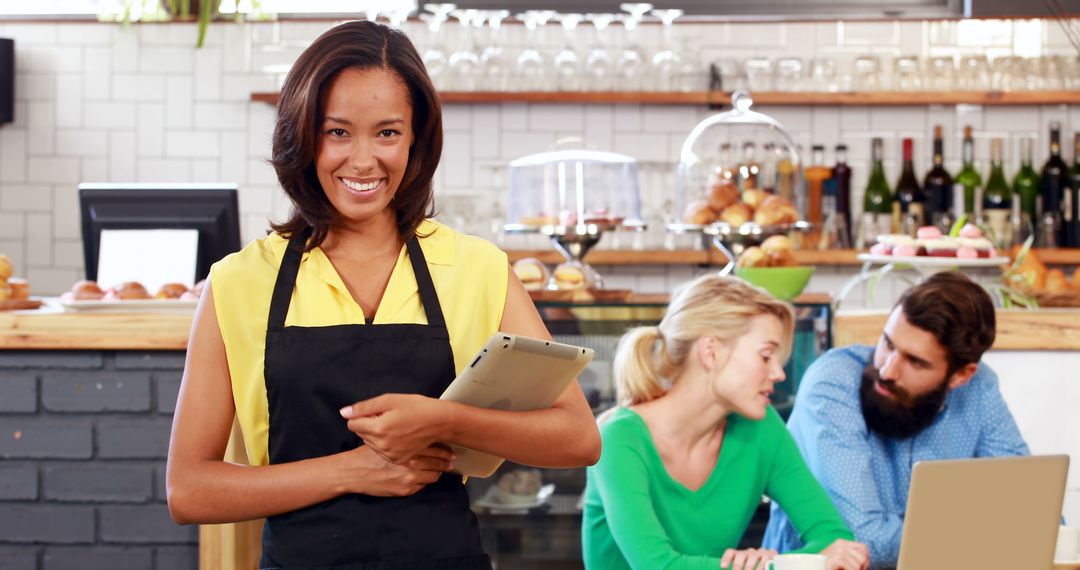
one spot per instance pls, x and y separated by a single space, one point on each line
52 329
1017 329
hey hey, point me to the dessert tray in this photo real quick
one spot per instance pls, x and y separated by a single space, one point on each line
932 261
130 305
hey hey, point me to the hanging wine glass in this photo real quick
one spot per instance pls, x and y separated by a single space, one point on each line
567 63
493 59
598 66
531 63
631 66
434 57
666 62
464 63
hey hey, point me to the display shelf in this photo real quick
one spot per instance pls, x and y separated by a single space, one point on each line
713 257
882 98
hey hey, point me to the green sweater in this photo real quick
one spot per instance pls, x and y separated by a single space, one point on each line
638 516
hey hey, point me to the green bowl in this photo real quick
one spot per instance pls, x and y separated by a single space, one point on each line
782 282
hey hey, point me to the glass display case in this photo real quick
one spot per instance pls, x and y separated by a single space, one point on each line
544 530
574 196
740 180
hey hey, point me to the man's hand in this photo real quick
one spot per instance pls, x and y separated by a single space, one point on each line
749 559
373 475
397 426
846 555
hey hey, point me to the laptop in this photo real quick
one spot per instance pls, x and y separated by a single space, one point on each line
991 514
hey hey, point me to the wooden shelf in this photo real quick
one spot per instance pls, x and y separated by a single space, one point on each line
714 257
882 98
1017 329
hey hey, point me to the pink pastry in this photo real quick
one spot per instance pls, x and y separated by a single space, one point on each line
880 249
928 232
905 250
568 218
970 231
965 252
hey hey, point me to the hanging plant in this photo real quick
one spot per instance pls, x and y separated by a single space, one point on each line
201 11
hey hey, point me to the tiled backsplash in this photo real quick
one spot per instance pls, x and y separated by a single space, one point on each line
105 103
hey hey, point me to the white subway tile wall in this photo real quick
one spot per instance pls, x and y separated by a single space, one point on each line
105 103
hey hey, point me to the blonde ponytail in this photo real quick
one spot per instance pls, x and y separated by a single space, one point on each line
635 367
649 358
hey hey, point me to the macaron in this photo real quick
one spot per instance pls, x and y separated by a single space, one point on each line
970 231
905 250
965 252
928 232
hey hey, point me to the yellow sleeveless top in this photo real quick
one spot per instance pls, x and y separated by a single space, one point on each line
470 277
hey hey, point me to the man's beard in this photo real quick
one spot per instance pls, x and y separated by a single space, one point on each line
903 416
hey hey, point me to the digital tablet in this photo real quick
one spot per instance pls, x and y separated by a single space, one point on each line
514 373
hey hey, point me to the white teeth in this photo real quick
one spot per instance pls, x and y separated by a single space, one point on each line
360 187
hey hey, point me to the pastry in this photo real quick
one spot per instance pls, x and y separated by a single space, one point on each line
775 210
928 232
1055 281
1076 279
5 291
699 213
129 290
776 243
532 273
982 246
970 231
538 220
1032 269
171 291
569 276
6 268
942 247
753 257
86 291
782 258
20 289
965 252
753 197
736 214
722 194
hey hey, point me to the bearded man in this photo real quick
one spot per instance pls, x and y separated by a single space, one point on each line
864 415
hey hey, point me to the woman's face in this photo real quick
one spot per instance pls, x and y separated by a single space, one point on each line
364 142
744 382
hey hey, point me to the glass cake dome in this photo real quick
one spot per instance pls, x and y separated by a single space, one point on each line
739 180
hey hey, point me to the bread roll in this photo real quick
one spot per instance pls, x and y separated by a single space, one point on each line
1055 281
736 214
776 243
5 291
20 289
774 211
782 258
722 194
6 268
130 290
171 291
699 213
86 291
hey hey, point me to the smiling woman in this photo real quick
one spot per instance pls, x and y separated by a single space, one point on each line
331 339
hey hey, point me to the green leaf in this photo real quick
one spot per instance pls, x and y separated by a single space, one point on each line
956 227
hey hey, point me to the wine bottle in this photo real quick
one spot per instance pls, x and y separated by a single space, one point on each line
938 187
1053 184
1072 227
909 195
816 175
1026 190
997 199
877 200
968 176
841 173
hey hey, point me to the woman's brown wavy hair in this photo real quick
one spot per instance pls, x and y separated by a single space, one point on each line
356 45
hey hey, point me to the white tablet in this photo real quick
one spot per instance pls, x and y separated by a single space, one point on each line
514 373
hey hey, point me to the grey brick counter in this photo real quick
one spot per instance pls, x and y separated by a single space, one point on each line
83 438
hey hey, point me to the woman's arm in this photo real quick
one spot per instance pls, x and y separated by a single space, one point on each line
397 425
203 488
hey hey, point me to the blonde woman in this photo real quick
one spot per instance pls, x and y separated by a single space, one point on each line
694 443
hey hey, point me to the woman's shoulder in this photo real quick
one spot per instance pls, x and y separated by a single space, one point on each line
261 257
444 245
622 424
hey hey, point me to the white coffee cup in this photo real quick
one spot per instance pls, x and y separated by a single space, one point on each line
797 562
1068 544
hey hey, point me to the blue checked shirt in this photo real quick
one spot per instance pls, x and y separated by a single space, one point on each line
868 475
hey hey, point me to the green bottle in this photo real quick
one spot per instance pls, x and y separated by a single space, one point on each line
1026 189
997 199
968 176
877 201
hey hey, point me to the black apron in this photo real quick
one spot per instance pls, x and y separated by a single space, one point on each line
310 373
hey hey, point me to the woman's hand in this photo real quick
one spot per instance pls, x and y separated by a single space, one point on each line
379 478
397 426
749 559
846 555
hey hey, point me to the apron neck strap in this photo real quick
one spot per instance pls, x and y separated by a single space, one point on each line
424 284
286 279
